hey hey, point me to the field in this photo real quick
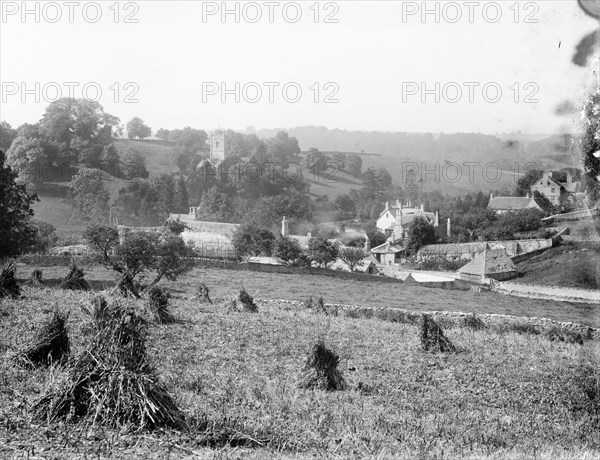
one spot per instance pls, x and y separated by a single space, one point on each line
372 293
234 375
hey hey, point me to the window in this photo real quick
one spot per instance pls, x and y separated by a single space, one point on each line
553 190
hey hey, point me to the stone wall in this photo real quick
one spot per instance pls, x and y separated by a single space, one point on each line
535 291
449 319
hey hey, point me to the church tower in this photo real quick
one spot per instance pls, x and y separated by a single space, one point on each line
217 145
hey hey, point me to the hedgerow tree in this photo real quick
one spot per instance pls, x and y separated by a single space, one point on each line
250 240
16 228
321 251
352 256
287 249
163 254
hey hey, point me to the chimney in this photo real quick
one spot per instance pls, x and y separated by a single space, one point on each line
569 178
367 243
192 211
309 235
437 219
284 227
448 229
491 195
422 207
398 204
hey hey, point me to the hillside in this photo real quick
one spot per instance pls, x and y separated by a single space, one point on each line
569 265
159 155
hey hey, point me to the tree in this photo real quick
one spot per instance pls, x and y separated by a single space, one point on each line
7 135
90 194
525 182
215 206
45 237
590 145
352 256
420 233
137 128
287 249
162 134
175 226
354 164
250 240
16 229
321 251
27 156
79 128
133 164
339 161
316 161
165 255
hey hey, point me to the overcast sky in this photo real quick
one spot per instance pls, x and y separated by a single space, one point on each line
374 61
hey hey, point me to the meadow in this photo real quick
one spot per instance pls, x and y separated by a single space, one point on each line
235 377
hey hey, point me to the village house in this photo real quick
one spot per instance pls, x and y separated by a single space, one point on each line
504 204
552 189
396 220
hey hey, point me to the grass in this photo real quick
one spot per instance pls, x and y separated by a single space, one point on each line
372 293
503 395
549 268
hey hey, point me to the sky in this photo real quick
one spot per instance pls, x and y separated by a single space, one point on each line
489 67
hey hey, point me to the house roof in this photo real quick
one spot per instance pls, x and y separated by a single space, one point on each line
512 203
220 228
387 248
489 262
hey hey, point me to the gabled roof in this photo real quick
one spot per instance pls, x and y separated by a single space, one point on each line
512 203
489 262
387 248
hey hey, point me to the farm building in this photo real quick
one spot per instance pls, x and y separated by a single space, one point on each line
504 204
491 263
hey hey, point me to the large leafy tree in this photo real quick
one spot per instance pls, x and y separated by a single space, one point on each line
79 128
136 128
16 229
251 240
420 233
287 249
7 135
321 251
